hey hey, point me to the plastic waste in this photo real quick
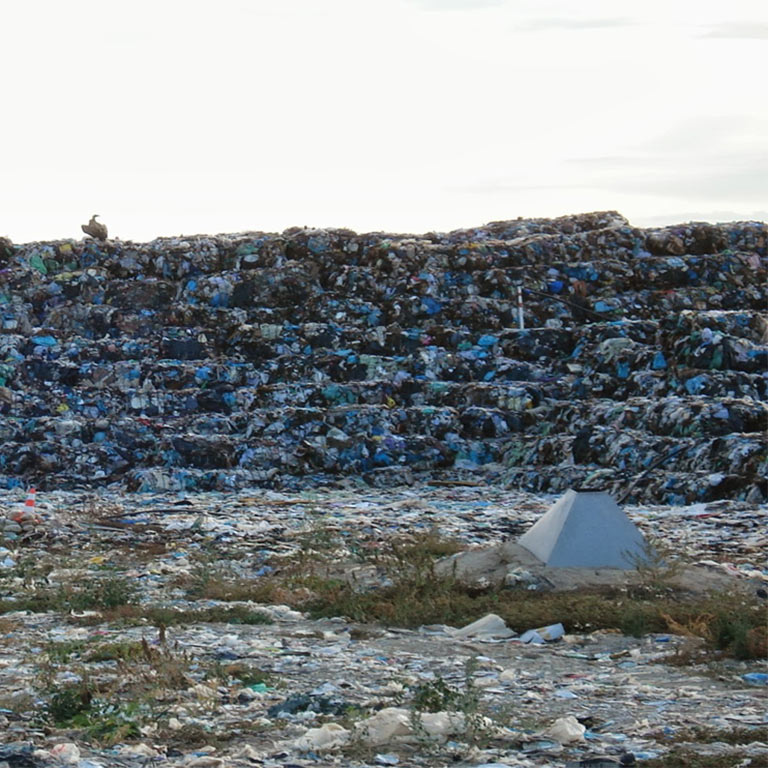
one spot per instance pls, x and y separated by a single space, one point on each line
543 634
275 360
395 725
490 627
386 759
565 730
308 703
327 736
20 755
65 754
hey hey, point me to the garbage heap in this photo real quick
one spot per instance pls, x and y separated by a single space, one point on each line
286 360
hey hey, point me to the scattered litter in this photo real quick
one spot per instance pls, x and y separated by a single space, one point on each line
307 703
490 627
543 634
565 730
328 736
394 725
387 759
65 754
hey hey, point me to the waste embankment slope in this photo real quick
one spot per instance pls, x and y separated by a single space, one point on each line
288 360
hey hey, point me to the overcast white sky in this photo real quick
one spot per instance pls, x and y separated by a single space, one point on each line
190 116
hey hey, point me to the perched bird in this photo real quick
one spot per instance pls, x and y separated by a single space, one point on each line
95 228
579 302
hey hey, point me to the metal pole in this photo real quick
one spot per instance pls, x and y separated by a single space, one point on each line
520 320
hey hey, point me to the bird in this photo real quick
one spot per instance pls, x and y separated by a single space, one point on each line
95 228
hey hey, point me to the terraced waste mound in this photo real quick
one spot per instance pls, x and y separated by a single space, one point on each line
295 359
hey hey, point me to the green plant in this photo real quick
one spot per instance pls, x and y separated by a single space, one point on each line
30 568
735 633
657 565
192 735
109 723
106 722
732 623
638 618
244 674
736 736
163 617
683 757
69 701
59 653
122 651
438 696
107 593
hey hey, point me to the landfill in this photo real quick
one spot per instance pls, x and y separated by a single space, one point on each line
209 408
292 360
274 687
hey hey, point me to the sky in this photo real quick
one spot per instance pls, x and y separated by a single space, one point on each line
171 117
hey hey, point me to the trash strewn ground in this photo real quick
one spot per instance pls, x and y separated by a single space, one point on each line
126 664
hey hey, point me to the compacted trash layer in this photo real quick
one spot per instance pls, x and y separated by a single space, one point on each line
289 360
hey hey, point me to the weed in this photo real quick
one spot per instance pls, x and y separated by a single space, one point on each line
734 736
639 617
123 651
59 653
202 575
657 565
434 544
111 592
734 630
107 593
36 600
681 757
244 674
161 617
104 721
438 696
692 651
318 538
191 735
19 702
163 667
477 726
236 614
109 723
30 569
358 749
69 701
734 625
319 567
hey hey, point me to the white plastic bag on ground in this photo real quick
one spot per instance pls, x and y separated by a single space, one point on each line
395 725
326 736
565 730
489 627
